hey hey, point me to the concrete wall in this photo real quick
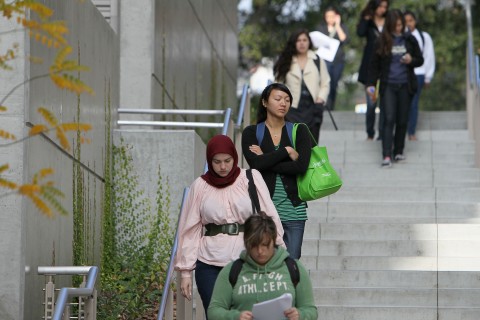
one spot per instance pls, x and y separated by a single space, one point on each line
27 238
192 51
11 219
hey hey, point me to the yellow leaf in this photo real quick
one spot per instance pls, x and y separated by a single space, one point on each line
36 129
8 184
45 172
48 116
4 167
3 108
75 126
28 189
7 135
62 138
42 206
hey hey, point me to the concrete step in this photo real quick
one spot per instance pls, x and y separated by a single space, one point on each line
392 248
395 279
314 262
397 313
385 232
393 212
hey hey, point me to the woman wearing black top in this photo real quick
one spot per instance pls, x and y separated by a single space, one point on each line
396 55
370 26
279 163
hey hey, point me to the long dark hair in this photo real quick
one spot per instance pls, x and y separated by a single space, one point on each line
386 37
282 66
371 7
261 110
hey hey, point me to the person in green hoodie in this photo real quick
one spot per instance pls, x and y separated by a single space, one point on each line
263 276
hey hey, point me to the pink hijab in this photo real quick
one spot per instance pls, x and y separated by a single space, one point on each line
221 144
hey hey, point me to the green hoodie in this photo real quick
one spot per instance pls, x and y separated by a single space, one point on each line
260 283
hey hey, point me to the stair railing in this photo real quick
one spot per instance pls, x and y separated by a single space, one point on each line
86 293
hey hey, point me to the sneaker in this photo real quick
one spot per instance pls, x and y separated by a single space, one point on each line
387 162
412 137
400 157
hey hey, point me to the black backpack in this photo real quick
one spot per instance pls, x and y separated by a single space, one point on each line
290 262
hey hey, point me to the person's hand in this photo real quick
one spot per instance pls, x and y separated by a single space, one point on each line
406 58
338 20
371 93
246 315
320 101
426 85
292 153
292 314
186 288
255 149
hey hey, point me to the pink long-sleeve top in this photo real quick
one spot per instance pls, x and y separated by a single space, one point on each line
207 204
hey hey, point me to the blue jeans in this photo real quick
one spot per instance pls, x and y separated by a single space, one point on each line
293 237
412 119
205 277
335 71
396 103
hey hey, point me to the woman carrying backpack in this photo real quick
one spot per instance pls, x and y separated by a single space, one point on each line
272 154
263 276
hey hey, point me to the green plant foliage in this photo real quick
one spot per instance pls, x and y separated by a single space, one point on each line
131 287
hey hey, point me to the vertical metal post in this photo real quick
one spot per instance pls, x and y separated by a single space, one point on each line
49 298
90 311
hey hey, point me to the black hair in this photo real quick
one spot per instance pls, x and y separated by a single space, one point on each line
386 37
261 110
371 7
283 64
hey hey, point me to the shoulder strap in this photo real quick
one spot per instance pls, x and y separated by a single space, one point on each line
317 62
252 191
235 271
260 132
289 126
293 270
294 134
423 38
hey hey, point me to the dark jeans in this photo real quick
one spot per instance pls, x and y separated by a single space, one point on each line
293 237
412 119
335 71
309 113
396 102
205 276
370 117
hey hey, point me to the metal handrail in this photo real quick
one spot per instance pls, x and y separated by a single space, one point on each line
67 293
227 114
241 109
168 279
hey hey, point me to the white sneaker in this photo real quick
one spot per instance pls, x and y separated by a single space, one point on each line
387 162
400 157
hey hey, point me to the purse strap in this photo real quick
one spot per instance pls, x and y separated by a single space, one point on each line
252 191
294 134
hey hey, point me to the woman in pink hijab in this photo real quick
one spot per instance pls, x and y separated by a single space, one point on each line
211 224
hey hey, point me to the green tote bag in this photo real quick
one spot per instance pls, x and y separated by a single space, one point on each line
320 179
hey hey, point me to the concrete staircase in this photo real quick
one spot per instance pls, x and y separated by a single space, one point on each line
403 242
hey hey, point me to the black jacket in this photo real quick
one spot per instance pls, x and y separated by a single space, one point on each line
380 65
273 162
367 29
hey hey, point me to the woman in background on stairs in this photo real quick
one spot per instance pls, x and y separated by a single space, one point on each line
279 163
306 75
370 26
220 202
395 56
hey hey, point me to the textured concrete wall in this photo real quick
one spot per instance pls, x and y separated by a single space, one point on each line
27 238
194 58
11 218
195 63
